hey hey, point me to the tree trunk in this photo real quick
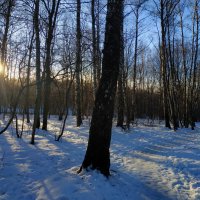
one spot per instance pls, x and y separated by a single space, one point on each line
120 118
5 35
172 86
133 106
195 60
163 66
94 46
38 78
185 115
28 80
47 66
78 65
98 43
97 154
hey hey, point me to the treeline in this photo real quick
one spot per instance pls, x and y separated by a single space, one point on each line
148 101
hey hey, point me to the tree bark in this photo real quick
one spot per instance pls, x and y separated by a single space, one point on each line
28 80
38 68
185 115
47 66
97 155
5 35
121 107
133 110
195 59
163 65
94 46
78 65
98 42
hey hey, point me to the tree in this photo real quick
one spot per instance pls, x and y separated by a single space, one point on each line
94 45
51 23
78 64
138 7
97 154
38 78
165 10
185 101
8 10
28 79
121 106
193 68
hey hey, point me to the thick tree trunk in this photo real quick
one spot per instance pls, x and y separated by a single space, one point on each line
97 154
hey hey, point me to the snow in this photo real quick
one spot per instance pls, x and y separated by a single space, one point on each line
147 163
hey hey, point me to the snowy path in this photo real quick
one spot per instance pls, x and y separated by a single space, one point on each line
149 163
165 161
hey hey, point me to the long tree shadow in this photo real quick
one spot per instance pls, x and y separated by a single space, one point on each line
47 158
32 163
15 170
172 154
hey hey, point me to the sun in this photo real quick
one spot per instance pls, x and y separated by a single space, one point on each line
1 69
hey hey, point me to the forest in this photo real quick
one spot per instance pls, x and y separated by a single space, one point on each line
108 77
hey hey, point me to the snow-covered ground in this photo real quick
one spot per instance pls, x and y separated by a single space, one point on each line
147 163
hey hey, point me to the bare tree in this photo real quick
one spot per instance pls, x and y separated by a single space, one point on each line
120 103
97 155
78 64
94 45
38 70
7 15
52 17
137 11
28 78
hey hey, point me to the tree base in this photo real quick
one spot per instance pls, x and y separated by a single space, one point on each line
44 128
106 174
